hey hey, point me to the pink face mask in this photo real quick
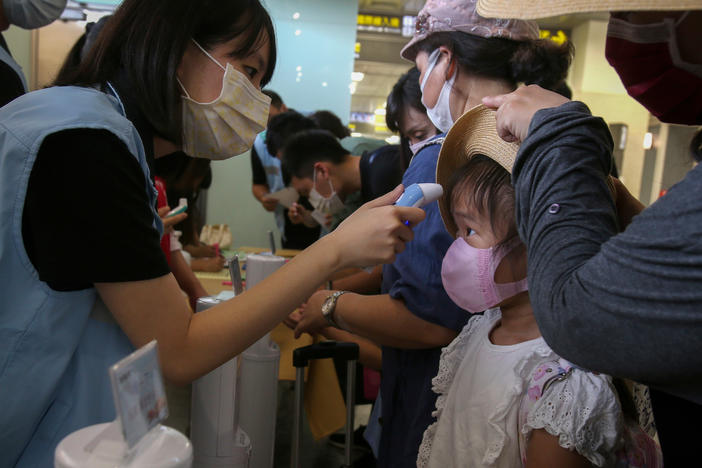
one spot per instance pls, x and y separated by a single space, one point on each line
468 275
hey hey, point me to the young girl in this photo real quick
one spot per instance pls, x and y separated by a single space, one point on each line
505 398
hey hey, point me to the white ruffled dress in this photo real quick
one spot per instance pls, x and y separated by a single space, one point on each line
481 388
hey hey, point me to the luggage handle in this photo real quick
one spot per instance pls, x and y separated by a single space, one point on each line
325 349
301 357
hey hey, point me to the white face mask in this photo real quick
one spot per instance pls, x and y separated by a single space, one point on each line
228 125
330 205
440 114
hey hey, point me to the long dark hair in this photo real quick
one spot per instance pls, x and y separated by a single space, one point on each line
146 40
538 61
405 93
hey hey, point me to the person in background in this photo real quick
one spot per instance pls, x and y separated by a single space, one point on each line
328 120
265 167
405 114
327 174
461 58
185 177
321 169
159 70
627 304
27 14
295 234
172 248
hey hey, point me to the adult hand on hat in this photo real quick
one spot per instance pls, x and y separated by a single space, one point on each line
516 109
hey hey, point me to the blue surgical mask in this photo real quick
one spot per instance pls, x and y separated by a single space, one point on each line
32 14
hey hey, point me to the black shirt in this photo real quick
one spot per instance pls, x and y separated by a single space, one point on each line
257 169
10 83
381 171
86 216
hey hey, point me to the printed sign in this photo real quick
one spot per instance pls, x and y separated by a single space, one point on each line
139 394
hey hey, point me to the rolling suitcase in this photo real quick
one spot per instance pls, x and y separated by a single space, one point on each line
301 358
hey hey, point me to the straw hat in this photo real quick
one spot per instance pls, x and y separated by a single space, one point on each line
475 132
532 9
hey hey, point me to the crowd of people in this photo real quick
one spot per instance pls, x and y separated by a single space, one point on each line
535 316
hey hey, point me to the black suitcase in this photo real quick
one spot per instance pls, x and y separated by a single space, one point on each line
301 358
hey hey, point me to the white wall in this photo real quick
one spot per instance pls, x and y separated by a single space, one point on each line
596 83
323 49
20 45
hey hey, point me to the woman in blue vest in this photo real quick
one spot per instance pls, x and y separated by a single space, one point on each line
27 14
82 278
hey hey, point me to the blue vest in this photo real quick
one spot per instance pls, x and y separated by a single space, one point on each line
55 347
274 176
7 58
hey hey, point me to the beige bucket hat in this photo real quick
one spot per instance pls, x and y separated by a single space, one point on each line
460 16
475 132
532 9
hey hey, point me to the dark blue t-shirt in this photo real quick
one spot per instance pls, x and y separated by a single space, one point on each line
415 278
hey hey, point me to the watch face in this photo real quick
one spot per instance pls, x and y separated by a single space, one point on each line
326 305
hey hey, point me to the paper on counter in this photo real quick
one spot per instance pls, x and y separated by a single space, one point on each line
285 197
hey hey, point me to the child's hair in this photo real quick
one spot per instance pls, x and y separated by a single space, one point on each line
485 185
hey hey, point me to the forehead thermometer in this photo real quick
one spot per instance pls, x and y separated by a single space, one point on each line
418 195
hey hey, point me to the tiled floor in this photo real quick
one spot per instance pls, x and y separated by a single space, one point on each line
314 454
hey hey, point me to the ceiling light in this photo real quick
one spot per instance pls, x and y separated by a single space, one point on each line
357 76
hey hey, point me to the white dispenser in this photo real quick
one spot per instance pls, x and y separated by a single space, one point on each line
135 439
217 439
162 447
258 376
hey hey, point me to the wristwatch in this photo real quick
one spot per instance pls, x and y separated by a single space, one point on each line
328 307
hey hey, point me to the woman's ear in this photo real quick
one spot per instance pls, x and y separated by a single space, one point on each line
452 64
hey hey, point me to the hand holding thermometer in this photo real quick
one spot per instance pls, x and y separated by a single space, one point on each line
416 196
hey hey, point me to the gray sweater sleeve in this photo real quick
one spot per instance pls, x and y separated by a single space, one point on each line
626 304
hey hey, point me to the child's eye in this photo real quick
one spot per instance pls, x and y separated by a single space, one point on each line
251 71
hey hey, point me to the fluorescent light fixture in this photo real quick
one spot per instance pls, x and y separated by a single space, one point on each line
380 112
356 134
324 84
357 76
648 141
